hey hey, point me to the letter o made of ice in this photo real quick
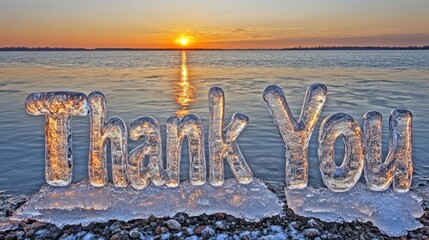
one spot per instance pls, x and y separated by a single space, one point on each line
58 107
340 178
398 166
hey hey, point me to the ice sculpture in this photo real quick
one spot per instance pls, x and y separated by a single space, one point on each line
100 131
189 126
340 178
222 142
398 166
139 176
58 107
296 134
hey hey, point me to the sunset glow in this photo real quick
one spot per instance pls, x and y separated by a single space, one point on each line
213 24
183 41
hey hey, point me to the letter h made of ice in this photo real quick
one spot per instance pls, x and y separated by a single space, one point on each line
222 142
296 134
100 131
58 107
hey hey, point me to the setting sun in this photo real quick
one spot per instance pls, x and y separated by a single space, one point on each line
183 41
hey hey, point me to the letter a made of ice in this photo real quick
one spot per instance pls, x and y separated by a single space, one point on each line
58 107
139 175
222 142
100 131
340 178
189 126
398 166
296 134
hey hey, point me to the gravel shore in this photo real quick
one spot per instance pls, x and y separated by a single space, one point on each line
216 226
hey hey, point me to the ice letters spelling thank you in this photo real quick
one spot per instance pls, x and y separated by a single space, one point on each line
362 144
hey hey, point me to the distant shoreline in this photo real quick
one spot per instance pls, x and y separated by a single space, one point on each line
40 49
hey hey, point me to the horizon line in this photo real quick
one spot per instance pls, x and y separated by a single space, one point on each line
423 47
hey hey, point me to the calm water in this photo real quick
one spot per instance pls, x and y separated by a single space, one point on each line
163 83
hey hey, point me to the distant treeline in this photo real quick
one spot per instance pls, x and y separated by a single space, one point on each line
213 49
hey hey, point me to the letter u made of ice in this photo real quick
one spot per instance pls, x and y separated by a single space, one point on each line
148 129
222 142
340 178
296 134
189 126
100 131
398 166
58 107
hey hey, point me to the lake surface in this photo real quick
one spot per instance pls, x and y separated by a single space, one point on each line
164 83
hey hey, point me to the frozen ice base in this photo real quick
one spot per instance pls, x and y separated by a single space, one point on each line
393 213
81 203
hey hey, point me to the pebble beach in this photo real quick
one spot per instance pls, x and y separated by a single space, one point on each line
216 226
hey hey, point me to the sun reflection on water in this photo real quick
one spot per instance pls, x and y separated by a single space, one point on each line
185 91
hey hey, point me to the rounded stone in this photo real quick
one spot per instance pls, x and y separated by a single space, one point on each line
173 224
311 232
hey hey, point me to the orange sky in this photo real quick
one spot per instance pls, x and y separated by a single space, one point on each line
213 24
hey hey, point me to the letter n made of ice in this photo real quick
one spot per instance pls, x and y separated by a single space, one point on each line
340 178
222 141
189 126
148 129
100 131
296 134
58 107
398 166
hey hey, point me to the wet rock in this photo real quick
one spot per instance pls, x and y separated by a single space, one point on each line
11 236
30 233
173 225
115 227
219 216
198 230
311 232
203 217
37 225
158 230
89 236
134 233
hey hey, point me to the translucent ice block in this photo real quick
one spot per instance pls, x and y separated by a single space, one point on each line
296 134
393 213
81 203
340 178
58 107
398 166
189 126
148 129
222 142
100 131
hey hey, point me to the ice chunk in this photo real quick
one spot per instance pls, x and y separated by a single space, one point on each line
393 213
340 178
148 129
58 107
222 141
82 203
100 131
189 126
398 167
296 134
